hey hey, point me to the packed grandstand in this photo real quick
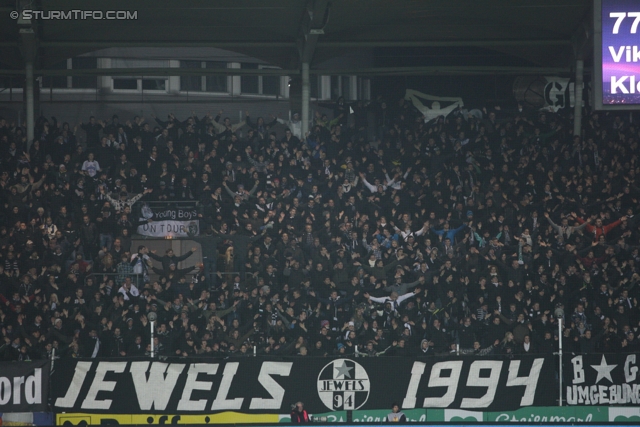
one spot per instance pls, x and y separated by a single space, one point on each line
462 234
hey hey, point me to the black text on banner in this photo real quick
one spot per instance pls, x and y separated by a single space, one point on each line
168 221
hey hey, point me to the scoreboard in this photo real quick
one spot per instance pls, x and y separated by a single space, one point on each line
617 54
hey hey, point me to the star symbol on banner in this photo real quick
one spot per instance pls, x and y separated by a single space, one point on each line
604 370
343 370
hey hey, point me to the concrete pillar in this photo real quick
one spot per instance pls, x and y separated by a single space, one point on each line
353 88
174 81
30 105
305 98
235 83
284 87
325 87
104 82
366 89
577 109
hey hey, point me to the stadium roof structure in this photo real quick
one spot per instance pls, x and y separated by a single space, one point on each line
342 37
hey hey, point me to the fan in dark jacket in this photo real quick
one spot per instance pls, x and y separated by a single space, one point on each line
299 415
169 258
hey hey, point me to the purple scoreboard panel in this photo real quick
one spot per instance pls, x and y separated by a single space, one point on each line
617 54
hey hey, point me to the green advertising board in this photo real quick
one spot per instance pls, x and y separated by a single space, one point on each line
546 414
380 415
565 414
327 417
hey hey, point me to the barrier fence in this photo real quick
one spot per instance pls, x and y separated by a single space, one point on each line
118 278
138 279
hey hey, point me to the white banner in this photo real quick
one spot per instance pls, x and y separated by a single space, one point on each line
437 109
168 221
559 93
169 229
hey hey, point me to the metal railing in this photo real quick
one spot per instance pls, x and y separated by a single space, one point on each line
173 204
138 279
231 274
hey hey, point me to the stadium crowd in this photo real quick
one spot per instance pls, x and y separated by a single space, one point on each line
461 234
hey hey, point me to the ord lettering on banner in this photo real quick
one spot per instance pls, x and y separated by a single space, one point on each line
272 385
24 386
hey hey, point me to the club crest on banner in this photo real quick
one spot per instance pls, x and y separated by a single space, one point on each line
146 212
193 228
343 385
